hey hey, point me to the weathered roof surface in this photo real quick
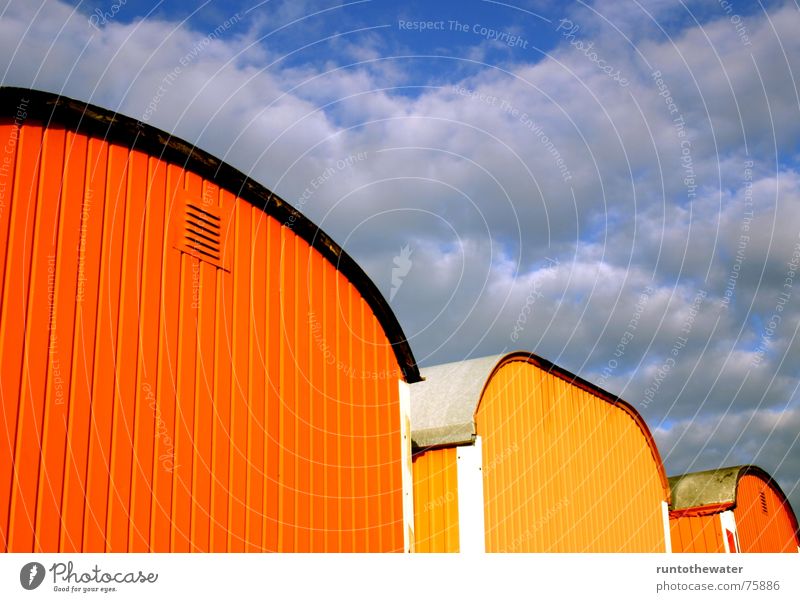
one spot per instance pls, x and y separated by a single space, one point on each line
443 405
713 487
706 488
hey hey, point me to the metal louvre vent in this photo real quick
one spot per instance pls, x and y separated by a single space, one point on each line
763 498
200 230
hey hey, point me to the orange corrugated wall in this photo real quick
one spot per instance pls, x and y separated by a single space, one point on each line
153 402
436 501
565 471
697 534
759 531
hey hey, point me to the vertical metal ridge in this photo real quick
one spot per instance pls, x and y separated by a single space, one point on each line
8 178
179 402
379 461
164 458
188 351
239 375
61 319
34 366
257 384
79 420
92 535
337 309
329 323
200 523
116 283
302 404
274 393
12 327
394 429
251 333
123 405
282 393
75 177
104 379
316 412
147 421
235 318
360 472
268 542
296 373
324 346
350 493
223 357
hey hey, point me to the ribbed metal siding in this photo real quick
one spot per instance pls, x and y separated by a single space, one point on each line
759 531
153 402
565 471
701 534
436 501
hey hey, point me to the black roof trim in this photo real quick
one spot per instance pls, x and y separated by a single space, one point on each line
52 109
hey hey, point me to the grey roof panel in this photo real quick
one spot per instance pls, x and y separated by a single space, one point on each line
704 488
443 405
717 486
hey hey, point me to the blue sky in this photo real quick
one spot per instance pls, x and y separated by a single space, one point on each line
559 164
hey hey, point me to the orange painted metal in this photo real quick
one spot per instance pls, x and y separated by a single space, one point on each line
764 520
696 533
436 501
566 468
153 401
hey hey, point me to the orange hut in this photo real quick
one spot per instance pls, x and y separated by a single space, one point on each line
738 509
188 363
514 454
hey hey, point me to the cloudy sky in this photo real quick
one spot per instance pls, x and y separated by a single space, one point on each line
614 185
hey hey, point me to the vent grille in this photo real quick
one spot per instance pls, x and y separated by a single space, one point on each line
202 232
199 230
763 498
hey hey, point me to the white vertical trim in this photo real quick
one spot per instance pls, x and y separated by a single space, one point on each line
407 469
728 523
667 530
469 464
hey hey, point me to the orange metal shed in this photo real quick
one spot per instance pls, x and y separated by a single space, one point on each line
555 463
738 509
188 363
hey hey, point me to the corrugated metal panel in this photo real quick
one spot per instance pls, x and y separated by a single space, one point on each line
155 402
564 470
701 534
436 501
763 521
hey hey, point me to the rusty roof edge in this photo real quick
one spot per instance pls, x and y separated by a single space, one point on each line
115 128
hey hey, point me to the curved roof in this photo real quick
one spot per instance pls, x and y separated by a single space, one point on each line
444 404
712 491
125 131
